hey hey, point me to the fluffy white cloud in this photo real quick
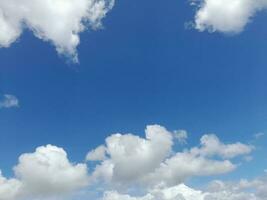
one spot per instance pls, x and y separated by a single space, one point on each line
211 145
144 165
9 188
242 190
97 154
8 101
151 161
45 173
179 192
184 165
132 156
217 190
56 21
228 16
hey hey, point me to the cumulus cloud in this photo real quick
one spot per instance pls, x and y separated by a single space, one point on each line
147 165
9 188
131 157
151 161
8 101
217 190
97 154
242 190
179 192
45 173
184 165
211 145
57 21
227 16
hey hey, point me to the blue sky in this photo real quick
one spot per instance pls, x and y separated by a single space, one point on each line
143 67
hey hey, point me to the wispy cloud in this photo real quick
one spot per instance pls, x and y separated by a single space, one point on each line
8 101
259 135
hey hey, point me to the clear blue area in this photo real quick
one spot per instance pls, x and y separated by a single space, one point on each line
143 68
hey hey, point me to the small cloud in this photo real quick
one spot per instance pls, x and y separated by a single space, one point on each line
248 158
8 101
258 135
181 136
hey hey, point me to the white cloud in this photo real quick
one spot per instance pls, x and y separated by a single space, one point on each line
45 173
151 161
9 188
181 136
227 16
56 21
97 154
217 190
132 156
242 190
211 145
259 135
184 165
179 192
9 101
135 165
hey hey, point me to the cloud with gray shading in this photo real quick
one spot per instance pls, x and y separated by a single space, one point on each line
57 21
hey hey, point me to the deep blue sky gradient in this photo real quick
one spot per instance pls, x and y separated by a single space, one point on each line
143 68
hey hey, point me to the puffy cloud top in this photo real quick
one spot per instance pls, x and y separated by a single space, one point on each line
151 161
56 21
227 16
211 145
179 192
132 156
97 154
148 165
45 173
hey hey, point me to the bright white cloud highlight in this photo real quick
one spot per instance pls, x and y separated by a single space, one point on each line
227 16
8 101
217 190
179 192
57 21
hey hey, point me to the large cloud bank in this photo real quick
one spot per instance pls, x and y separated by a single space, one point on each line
217 190
227 16
148 165
56 21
